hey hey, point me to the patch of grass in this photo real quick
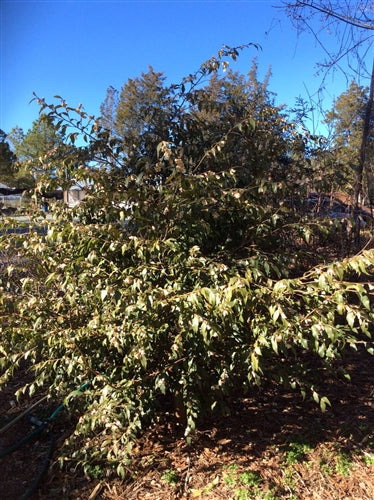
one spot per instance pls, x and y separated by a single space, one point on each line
250 478
364 429
325 466
368 458
242 494
288 479
270 496
231 476
94 471
343 463
171 477
246 484
297 450
256 494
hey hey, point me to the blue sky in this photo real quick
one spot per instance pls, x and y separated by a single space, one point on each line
77 49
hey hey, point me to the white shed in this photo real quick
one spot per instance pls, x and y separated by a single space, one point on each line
74 195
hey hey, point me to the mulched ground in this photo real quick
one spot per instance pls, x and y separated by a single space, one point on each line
273 446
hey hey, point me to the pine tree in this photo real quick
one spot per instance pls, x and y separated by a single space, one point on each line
143 118
108 110
30 148
7 161
238 113
346 118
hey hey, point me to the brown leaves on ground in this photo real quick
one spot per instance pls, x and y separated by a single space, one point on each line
273 446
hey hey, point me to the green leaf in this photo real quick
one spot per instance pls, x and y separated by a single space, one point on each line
365 301
195 323
323 403
316 396
274 344
120 471
350 317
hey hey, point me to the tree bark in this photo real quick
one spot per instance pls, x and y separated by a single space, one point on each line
363 150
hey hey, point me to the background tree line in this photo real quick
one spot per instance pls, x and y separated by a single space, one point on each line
147 112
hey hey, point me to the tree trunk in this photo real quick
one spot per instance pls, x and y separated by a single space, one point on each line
362 159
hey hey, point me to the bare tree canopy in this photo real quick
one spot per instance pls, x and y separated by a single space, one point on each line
352 23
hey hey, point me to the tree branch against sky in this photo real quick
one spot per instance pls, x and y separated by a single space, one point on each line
352 25
338 11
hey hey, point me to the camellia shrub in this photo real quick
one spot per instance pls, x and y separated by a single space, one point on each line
176 294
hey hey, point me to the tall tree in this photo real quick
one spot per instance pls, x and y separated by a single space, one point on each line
353 24
232 112
40 139
13 172
108 110
238 113
346 119
31 147
143 118
7 161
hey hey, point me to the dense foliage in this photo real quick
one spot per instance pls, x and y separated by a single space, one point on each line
12 172
186 276
7 159
346 119
30 147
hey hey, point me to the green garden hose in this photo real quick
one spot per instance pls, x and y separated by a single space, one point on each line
32 488
18 417
39 429
22 441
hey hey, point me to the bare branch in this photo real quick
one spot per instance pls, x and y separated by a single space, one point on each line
329 11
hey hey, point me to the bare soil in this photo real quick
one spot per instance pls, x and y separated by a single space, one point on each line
273 445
